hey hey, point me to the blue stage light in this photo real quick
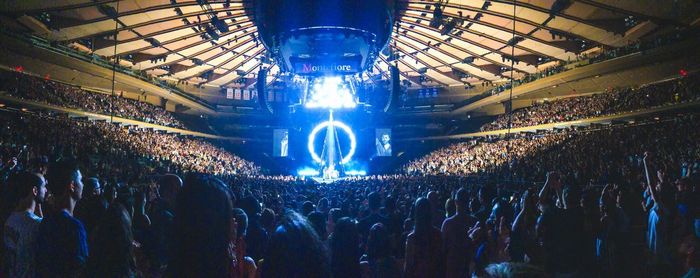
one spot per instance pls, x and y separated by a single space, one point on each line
307 172
330 92
356 173
345 128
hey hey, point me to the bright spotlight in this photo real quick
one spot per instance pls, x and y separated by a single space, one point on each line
342 126
330 92
307 172
356 173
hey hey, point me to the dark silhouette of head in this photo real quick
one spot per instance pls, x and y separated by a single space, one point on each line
267 218
126 197
318 221
572 196
64 180
307 207
345 252
110 193
250 205
374 201
24 185
111 250
91 187
390 204
450 208
203 229
323 205
22 188
433 198
423 217
168 187
298 252
241 222
378 243
462 200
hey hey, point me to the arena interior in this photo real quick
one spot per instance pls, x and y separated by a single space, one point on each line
350 138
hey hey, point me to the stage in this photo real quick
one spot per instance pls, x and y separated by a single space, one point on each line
327 181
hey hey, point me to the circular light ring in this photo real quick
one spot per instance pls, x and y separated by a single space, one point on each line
344 127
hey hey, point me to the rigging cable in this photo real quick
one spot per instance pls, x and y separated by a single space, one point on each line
114 63
510 98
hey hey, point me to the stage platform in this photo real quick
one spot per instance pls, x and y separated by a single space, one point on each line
327 181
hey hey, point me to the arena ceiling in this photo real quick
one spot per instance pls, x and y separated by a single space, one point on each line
461 42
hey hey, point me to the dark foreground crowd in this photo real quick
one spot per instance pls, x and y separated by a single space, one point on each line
617 202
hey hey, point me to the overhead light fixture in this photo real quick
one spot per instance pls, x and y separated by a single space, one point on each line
436 21
219 24
211 32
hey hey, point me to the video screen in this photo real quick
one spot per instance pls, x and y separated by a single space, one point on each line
280 139
383 141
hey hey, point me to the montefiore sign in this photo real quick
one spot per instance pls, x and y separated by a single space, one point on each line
309 67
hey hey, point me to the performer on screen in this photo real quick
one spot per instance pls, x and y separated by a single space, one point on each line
284 144
384 145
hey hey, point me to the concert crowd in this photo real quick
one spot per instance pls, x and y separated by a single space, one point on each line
606 103
595 216
123 153
94 199
28 87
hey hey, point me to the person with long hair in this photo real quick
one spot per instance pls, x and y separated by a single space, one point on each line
379 261
298 251
424 249
244 266
345 249
202 230
113 245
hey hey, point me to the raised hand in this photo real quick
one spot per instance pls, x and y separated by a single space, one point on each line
475 232
503 228
12 162
661 175
553 180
